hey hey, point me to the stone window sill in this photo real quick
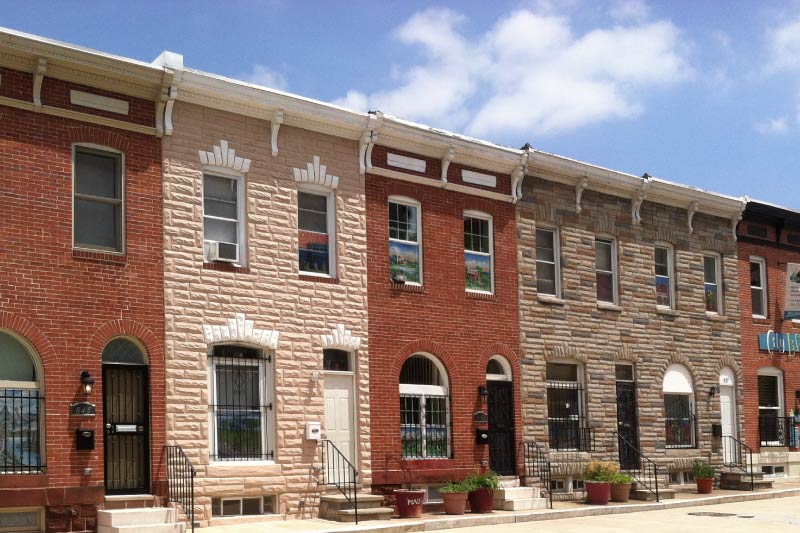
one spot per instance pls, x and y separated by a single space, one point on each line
716 317
318 279
406 287
667 311
102 257
550 300
608 306
474 295
226 267
760 319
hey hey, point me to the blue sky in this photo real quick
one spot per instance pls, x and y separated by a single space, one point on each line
705 93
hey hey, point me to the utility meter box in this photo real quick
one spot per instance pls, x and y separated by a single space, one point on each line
313 431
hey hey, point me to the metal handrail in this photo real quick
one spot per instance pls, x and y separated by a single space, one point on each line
180 481
742 452
536 465
646 467
344 474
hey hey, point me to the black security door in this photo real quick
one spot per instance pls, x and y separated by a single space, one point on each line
627 419
126 423
501 428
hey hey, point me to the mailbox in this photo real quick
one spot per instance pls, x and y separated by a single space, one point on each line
84 439
716 430
481 436
313 431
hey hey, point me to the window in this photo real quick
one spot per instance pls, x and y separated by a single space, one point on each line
98 217
21 520
424 409
548 264
243 506
567 427
21 409
405 259
772 426
665 274
606 270
478 252
223 215
335 360
240 390
758 286
316 229
711 274
679 420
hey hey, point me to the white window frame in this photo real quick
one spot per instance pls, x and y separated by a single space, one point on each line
762 263
422 391
487 217
405 200
100 148
330 198
614 268
718 273
781 409
556 259
39 518
266 396
670 273
241 211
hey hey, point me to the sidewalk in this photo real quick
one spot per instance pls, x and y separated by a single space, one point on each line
437 521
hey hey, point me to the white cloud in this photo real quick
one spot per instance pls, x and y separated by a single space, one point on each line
630 10
265 76
527 74
773 126
784 46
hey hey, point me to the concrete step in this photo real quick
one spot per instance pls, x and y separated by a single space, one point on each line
646 495
132 517
516 493
143 528
758 484
739 476
527 504
372 513
509 481
339 501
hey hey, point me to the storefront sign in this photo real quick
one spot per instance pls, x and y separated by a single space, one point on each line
788 343
82 409
791 308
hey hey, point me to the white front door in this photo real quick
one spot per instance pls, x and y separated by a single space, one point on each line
339 423
727 405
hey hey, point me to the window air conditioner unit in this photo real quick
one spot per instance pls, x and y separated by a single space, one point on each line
226 252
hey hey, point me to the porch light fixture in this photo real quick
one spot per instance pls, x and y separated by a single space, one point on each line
87 381
483 392
712 391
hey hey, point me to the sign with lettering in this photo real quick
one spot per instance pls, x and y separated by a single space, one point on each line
788 343
791 309
82 409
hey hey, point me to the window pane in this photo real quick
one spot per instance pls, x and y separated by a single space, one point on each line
19 423
336 360
220 230
711 297
755 274
546 278
623 372
97 175
314 253
218 188
238 386
231 507
768 391
404 260
251 506
312 212
605 287
758 302
561 372
17 363
402 222
663 291
662 262
20 521
710 269
476 235
545 250
419 370
603 255
478 271
96 224
220 208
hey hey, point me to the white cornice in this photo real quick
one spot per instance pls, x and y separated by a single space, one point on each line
316 174
413 178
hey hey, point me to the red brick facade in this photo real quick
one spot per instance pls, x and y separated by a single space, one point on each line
462 330
776 251
69 304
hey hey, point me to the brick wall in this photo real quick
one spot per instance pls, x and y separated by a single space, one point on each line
463 331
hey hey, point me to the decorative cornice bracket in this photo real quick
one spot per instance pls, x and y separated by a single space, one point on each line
225 157
692 209
340 338
274 127
737 218
239 329
317 174
638 200
171 96
367 141
447 158
581 186
38 79
518 175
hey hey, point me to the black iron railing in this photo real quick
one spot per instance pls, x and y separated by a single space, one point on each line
644 471
570 434
337 470
21 416
739 456
776 431
680 423
537 469
180 481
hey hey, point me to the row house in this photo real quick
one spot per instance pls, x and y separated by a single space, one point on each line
769 258
81 283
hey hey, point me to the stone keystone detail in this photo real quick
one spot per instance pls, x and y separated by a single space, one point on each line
239 329
316 174
340 339
223 156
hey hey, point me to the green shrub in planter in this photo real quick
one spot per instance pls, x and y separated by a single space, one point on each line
601 471
454 487
483 480
703 470
622 479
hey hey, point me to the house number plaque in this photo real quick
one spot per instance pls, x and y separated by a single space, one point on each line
82 409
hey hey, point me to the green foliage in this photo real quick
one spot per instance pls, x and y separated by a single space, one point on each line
602 471
621 478
455 486
703 470
483 480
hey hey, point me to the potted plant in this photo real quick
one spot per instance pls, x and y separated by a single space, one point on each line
481 491
409 500
455 497
621 487
704 476
598 476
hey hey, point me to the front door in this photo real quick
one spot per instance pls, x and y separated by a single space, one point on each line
339 426
126 429
627 419
501 427
727 409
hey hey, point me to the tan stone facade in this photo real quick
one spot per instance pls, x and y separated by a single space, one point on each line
269 291
576 328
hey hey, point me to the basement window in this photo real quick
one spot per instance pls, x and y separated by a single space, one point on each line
259 505
21 520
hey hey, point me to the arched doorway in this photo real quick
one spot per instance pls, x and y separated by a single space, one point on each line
126 418
502 457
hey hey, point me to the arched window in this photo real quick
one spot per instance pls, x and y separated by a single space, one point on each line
21 408
498 369
123 351
679 418
424 409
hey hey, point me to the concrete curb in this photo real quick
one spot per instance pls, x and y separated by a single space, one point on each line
534 516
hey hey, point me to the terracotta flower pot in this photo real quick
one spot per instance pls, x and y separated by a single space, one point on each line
454 502
705 485
620 492
481 500
597 493
409 502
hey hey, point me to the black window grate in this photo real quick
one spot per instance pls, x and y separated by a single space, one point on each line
424 431
567 427
680 423
21 417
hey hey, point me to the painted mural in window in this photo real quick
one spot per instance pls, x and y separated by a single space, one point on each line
478 253
404 249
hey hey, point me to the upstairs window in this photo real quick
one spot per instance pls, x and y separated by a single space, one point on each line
606 270
758 286
548 275
405 257
478 252
315 222
223 230
98 217
665 274
711 276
